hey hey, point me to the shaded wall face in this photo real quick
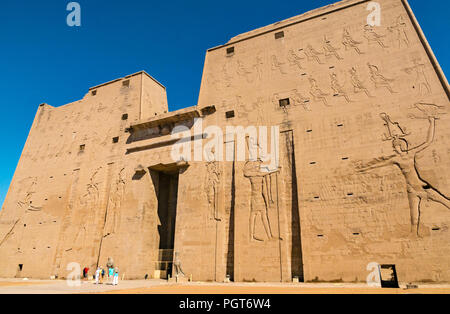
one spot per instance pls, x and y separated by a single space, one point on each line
360 100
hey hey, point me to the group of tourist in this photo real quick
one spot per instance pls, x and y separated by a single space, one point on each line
99 275
113 275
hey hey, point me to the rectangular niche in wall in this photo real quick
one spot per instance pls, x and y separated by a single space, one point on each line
279 35
285 102
229 114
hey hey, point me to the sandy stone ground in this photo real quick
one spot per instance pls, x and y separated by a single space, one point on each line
17 286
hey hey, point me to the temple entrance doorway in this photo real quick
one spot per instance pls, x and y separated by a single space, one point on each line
167 194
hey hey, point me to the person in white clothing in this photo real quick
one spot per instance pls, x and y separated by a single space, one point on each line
116 277
97 275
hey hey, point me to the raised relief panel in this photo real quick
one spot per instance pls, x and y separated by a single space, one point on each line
258 66
338 88
116 194
404 157
84 217
27 201
373 37
61 248
317 94
349 43
286 100
329 50
300 100
294 59
244 72
260 200
26 205
277 65
312 54
212 188
421 83
227 77
379 80
358 85
267 235
399 29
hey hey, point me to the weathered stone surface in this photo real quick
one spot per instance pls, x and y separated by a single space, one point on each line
363 177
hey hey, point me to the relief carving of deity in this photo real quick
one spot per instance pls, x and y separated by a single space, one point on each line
379 80
399 29
350 43
421 81
373 37
259 199
212 187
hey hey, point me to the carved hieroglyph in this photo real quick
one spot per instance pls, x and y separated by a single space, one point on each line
244 72
114 205
278 65
258 66
329 50
349 43
358 85
374 37
299 99
421 81
26 204
312 54
294 59
317 93
379 80
227 77
338 88
88 203
27 201
399 29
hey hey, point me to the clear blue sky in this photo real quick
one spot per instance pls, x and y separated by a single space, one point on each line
44 60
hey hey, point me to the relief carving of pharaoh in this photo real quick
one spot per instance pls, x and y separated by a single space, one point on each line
404 158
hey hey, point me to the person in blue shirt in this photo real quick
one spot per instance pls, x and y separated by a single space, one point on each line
110 274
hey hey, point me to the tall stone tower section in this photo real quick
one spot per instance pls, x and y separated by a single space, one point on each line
364 126
56 208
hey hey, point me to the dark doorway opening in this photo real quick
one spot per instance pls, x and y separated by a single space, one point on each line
19 270
167 193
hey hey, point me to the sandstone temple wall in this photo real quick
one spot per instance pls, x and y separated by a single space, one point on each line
363 117
345 81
